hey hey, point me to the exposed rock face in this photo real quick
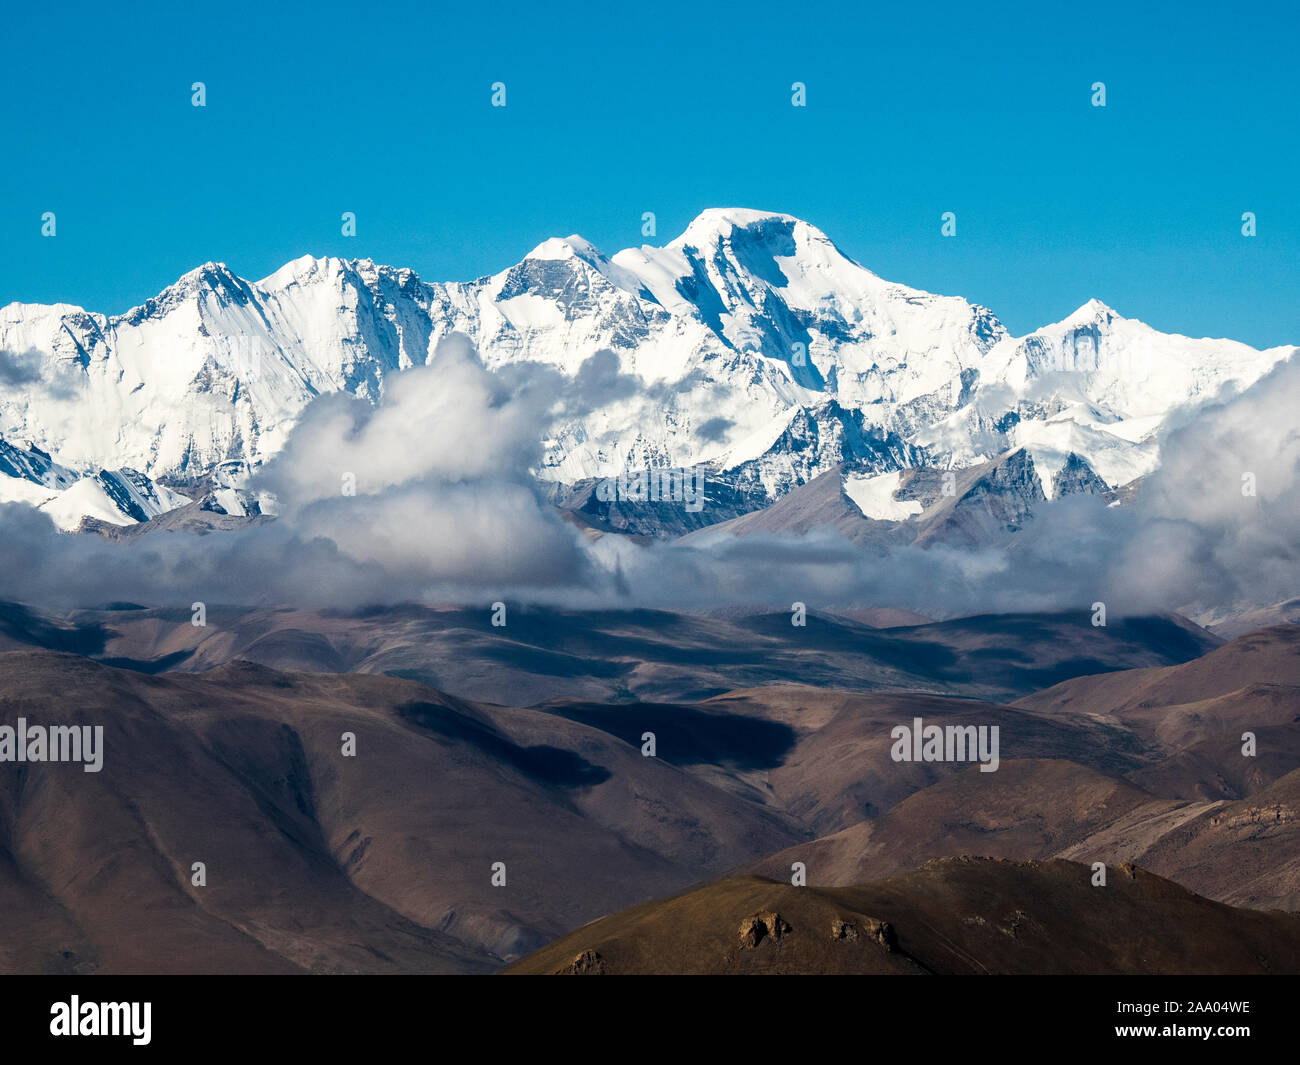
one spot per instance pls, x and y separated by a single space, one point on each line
588 963
881 932
844 930
761 926
1077 477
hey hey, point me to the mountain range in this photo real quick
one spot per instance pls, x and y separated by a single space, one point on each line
354 821
750 348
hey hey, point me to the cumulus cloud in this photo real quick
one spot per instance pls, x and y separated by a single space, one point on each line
434 485
451 421
1221 517
428 495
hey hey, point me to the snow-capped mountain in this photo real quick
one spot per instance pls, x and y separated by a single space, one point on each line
116 497
750 344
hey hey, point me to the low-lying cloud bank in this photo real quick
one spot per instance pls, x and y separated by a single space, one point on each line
429 497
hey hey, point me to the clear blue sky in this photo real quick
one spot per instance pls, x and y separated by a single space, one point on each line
614 109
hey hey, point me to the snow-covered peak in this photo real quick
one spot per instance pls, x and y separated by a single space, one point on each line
1122 365
773 285
578 250
311 269
210 273
296 271
716 224
755 241
211 277
1091 312
211 285
571 247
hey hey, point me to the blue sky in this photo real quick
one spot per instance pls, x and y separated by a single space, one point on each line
613 110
